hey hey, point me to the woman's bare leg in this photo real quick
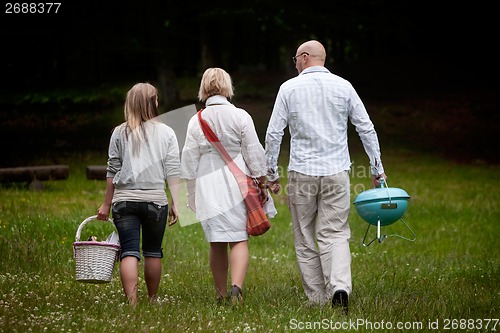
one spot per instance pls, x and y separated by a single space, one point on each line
219 267
129 276
239 262
152 275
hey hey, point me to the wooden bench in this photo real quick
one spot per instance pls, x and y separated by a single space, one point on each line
34 175
97 172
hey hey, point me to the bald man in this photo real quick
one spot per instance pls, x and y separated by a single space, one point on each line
316 105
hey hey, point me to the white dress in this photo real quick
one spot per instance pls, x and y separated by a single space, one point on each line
219 203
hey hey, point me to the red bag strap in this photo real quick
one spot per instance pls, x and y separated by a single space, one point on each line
244 182
214 140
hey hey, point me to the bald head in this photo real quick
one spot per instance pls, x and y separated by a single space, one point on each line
310 53
315 50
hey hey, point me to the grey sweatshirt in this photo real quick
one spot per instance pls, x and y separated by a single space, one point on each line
156 159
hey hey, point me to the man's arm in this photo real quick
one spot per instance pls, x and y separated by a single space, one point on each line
274 136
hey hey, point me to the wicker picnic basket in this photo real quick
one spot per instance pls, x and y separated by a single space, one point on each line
94 260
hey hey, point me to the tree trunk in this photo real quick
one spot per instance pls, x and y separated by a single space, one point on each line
168 92
206 43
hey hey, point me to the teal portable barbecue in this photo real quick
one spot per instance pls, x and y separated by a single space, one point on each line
382 207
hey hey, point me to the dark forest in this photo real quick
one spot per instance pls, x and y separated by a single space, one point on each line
390 50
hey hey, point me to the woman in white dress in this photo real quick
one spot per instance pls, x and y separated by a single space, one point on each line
213 192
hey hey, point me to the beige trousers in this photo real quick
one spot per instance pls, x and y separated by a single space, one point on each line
319 207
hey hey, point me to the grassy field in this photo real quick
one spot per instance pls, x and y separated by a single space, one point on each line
447 279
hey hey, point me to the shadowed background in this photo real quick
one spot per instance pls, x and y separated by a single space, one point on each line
425 71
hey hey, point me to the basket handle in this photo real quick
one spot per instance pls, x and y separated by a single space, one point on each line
91 218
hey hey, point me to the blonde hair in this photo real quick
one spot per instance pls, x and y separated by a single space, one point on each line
140 106
215 81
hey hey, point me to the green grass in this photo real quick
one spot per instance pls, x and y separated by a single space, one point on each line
451 271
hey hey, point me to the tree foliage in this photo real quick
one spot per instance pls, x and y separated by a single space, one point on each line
105 41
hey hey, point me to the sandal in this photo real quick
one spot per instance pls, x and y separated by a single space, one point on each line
235 296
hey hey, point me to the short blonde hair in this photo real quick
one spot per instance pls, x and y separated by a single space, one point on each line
215 81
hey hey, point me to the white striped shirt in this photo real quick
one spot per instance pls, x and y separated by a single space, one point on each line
316 106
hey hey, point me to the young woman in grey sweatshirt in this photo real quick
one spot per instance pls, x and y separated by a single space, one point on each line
143 154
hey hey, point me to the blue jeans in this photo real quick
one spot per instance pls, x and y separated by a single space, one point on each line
129 217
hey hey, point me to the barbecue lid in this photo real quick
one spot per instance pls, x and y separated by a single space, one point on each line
381 194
